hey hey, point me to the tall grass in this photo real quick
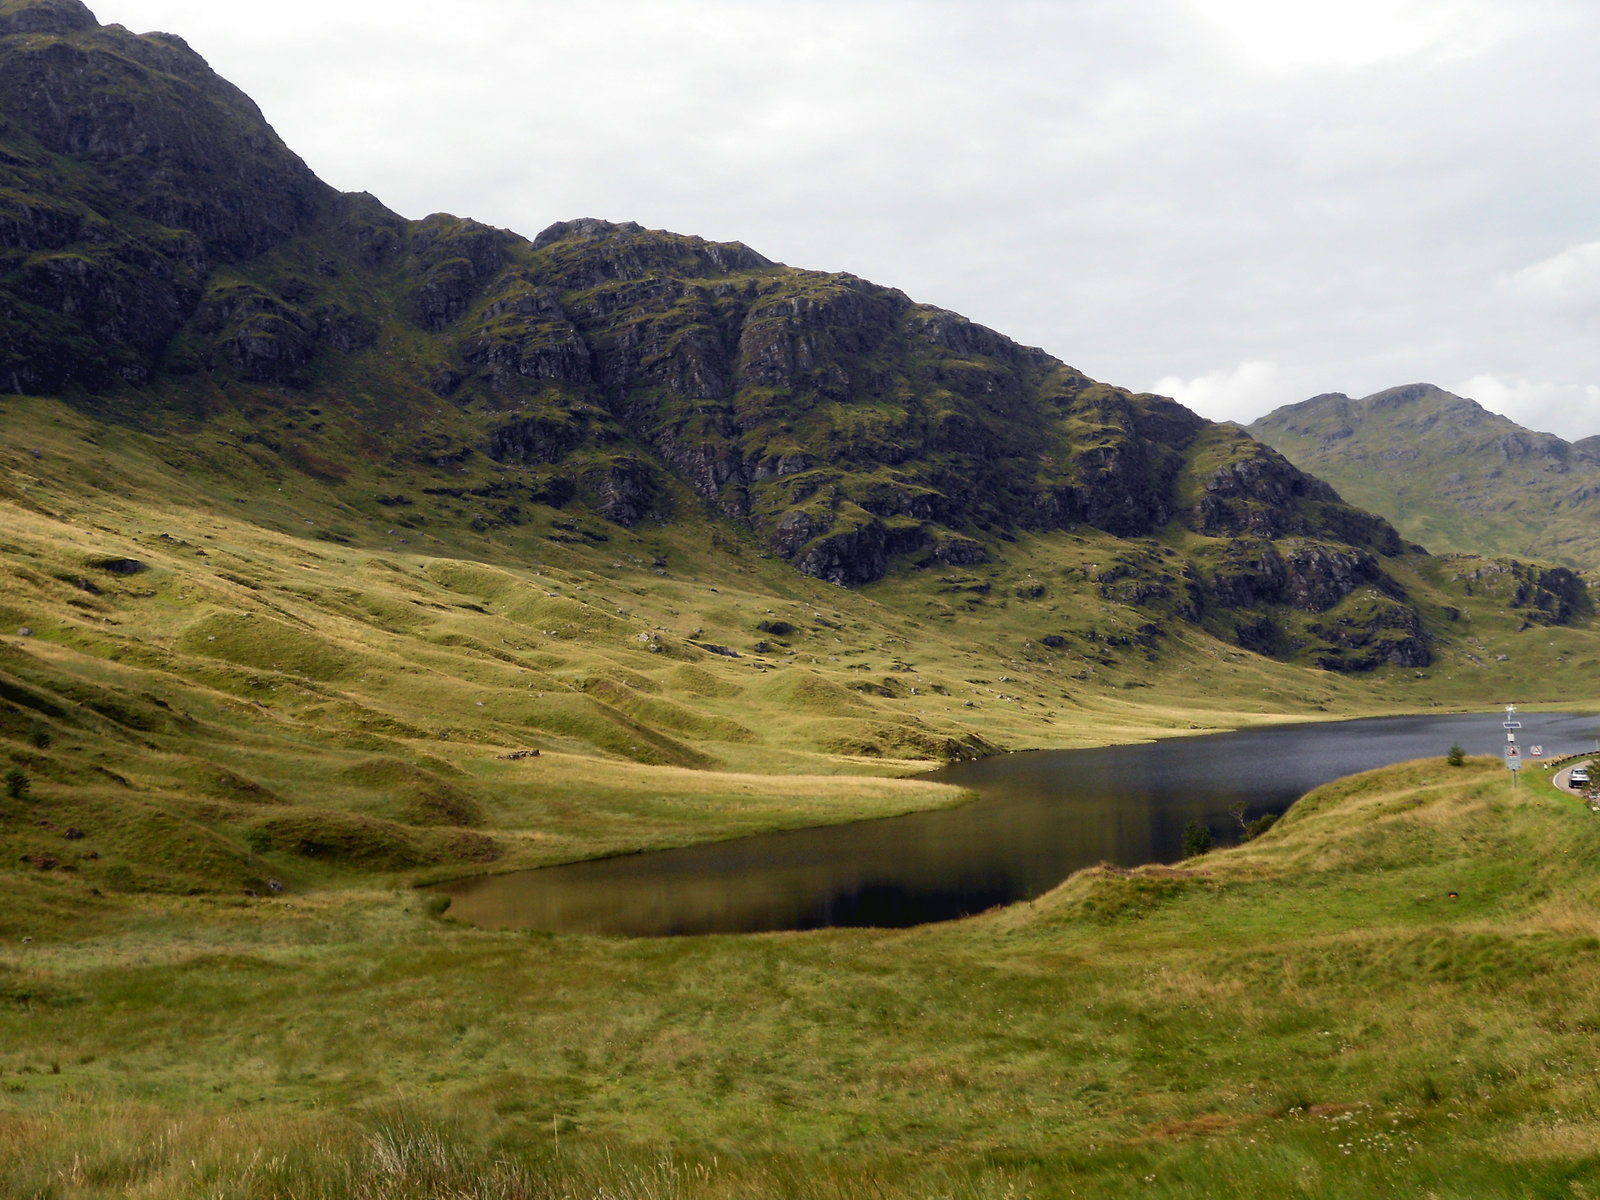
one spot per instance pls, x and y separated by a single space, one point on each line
1311 1013
408 1156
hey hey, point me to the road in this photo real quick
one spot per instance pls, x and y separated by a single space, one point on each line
1560 778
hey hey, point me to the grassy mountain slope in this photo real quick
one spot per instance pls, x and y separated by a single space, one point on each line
396 503
314 699
634 377
1448 473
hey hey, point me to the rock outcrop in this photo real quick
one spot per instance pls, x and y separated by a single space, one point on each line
128 171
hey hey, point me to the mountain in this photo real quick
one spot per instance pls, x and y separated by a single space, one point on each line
166 261
1449 473
291 480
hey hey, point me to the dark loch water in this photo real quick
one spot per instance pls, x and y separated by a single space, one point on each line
1040 816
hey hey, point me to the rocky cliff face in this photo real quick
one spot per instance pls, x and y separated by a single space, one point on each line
852 430
128 171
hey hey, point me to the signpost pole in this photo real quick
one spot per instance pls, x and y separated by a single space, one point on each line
1513 752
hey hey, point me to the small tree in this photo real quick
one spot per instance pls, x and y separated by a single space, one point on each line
1457 756
1259 826
16 783
1197 839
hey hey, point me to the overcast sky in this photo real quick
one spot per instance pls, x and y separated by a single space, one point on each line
1240 203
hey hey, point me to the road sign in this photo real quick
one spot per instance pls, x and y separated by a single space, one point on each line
1511 724
1536 751
1513 755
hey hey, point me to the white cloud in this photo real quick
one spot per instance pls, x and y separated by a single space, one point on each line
1570 279
1228 395
1568 410
1352 34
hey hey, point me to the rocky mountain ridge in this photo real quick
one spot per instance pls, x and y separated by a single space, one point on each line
165 259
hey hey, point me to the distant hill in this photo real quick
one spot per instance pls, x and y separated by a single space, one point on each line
1449 473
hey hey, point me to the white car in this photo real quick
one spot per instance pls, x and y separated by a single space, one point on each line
1579 777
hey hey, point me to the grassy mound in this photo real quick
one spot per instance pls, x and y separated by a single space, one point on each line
249 640
413 793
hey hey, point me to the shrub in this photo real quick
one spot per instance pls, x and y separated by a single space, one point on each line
1456 757
1259 826
16 783
1197 839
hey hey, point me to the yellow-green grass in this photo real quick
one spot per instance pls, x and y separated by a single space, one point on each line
354 716
257 702
316 710
1312 1013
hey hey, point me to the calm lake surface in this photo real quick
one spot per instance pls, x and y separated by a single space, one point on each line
1040 816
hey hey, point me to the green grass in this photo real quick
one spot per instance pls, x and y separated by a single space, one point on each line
1311 1013
279 644
362 722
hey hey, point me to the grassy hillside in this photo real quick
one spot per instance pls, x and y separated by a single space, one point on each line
210 696
1448 473
1391 991
347 553
279 686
